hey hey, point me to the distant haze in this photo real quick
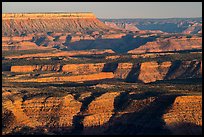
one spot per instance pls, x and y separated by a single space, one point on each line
112 9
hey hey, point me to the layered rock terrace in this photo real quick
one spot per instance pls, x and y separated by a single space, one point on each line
16 24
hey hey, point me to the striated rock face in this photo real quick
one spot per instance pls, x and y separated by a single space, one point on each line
50 22
83 68
152 71
112 112
78 78
100 110
31 68
44 111
123 70
15 106
184 115
72 68
170 44
145 72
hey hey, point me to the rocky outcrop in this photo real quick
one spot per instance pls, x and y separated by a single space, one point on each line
185 112
15 106
169 44
99 111
185 70
78 78
52 112
152 71
145 72
111 112
31 68
135 105
83 68
123 70
27 23
44 110
148 72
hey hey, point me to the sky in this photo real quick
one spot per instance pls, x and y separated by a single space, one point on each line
112 9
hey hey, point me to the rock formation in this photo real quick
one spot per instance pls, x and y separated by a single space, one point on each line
35 68
123 70
99 111
122 26
77 78
152 71
145 72
27 23
83 68
52 112
184 115
169 44
112 112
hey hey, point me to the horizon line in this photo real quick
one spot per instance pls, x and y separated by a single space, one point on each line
60 12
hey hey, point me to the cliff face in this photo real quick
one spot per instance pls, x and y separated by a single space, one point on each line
83 68
185 69
106 113
31 68
42 111
50 22
123 70
186 110
152 71
170 44
78 78
145 72
99 111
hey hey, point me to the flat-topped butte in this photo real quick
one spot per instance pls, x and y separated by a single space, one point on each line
48 15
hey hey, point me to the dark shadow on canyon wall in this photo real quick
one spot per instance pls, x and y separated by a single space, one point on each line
78 119
133 74
185 128
120 45
110 67
147 121
181 81
6 68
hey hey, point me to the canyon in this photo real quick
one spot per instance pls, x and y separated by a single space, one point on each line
75 74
